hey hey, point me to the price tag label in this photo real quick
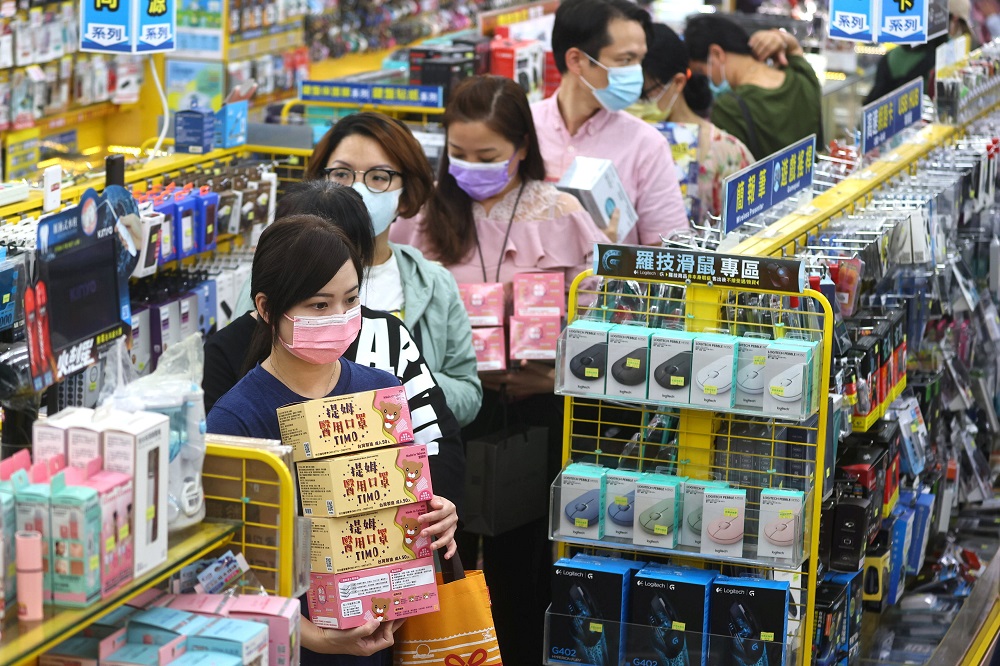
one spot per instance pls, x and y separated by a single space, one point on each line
123 532
678 626
591 373
676 381
711 390
632 363
778 391
581 522
150 512
597 627
109 545
730 513
767 635
786 514
661 530
759 360
621 501
95 562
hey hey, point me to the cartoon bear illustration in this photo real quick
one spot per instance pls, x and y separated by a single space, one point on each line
411 473
380 607
410 529
390 415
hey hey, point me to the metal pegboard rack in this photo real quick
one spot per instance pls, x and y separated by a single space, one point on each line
700 443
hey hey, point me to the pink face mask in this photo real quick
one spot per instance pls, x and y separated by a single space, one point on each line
323 340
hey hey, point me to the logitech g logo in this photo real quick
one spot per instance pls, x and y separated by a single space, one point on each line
611 259
673 587
563 652
645 662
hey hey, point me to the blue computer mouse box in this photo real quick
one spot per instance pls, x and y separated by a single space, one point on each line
620 503
668 616
748 621
589 598
582 496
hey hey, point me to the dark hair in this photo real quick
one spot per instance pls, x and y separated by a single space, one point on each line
583 24
666 55
706 29
698 94
325 199
502 106
396 140
295 257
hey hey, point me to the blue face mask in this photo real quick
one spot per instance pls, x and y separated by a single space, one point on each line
624 86
718 88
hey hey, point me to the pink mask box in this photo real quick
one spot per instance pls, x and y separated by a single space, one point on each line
394 592
364 482
491 348
375 539
539 295
346 423
282 616
534 338
116 544
485 303
214 605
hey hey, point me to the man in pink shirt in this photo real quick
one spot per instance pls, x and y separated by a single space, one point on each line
598 47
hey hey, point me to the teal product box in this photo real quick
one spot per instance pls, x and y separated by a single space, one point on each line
34 513
620 503
670 366
668 616
902 539
194 131
202 658
723 521
713 369
8 550
76 532
923 512
241 638
628 362
788 379
161 625
692 508
146 654
780 524
751 368
657 510
231 124
585 357
582 495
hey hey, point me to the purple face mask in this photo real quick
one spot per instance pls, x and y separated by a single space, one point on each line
480 180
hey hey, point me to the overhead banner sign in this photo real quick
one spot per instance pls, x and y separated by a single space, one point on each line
767 183
128 26
888 21
657 263
853 20
903 22
428 97
891 114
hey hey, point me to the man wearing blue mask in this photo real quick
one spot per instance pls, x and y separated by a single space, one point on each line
598 46
765 107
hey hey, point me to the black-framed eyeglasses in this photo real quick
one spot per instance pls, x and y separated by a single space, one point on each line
376 180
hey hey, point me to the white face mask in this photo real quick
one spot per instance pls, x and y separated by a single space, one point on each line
382 206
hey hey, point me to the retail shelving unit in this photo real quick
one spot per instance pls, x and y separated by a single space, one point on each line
700 442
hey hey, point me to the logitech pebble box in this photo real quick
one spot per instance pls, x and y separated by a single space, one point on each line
713 370
723 520
747 621
692 508
582 497
670 366
620 502
586 357
668 616
590 597
657 510
750 374
780 524
628 361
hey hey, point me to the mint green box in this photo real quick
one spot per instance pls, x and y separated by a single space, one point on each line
76 534
34 512
657 510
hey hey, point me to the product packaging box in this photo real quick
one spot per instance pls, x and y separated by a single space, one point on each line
668 616
620 503
364 482
830 622
376 539
713 368
142 342
485 303
628 362
780 524
595 588
201 658
139 447
8 551
212 605
239 638
48 436
849 534
82 650
194 131
855 608
723 521
231 124
534 337
861 473
586 357
161 626
522 61
923 508
115 492
85 438
692 508
490 346
346 423
670 366
34 513
878 562
902 539
393 592
657 510
751 373
282 617
747 621
582 496
539 295
146 655
788 380
76 528
595 182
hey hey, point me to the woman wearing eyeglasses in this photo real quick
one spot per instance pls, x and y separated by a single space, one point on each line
378 157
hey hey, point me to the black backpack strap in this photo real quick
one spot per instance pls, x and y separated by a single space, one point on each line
751 128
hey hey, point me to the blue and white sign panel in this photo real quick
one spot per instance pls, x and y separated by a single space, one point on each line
854 20
889 115
903 22
128 26
767 183
428 97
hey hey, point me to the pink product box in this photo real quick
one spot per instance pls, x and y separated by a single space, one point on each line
147 655
484 302
146 599
491 348
539 295
282 617
394 592
215 605
116 545
534 338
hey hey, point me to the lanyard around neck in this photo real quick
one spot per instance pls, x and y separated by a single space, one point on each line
506 237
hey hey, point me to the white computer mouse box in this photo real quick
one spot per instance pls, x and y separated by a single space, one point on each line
780 524
692 510
670 366
751 371
723 521
657 510
788 380
713 369
628 362
585 357
620 502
